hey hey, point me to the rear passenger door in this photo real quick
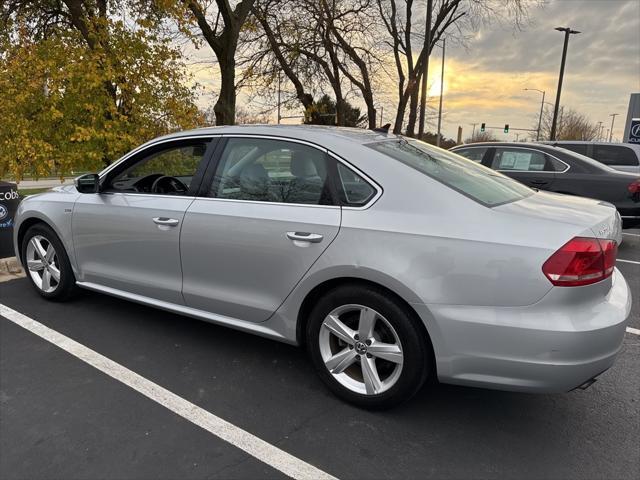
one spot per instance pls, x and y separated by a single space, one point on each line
267 212
531 167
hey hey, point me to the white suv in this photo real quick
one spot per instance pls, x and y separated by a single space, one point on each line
621 156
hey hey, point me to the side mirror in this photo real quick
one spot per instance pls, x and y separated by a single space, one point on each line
88 183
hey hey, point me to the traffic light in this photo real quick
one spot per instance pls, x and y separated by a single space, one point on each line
506 128
482 127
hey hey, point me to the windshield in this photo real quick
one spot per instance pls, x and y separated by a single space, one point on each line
477 182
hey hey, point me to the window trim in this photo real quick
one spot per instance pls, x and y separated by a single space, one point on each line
211 140
362 175
496 147
215 160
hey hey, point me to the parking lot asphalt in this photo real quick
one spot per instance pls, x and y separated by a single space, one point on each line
61 418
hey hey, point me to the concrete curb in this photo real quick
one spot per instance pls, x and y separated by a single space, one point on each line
10 269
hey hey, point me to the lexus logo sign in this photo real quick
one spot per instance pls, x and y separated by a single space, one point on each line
634 131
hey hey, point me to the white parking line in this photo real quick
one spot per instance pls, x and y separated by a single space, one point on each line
628 261
635 331
254 446
631 234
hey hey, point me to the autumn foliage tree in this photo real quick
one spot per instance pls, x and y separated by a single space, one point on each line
69 106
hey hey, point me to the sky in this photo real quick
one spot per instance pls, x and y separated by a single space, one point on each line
485 78
485 81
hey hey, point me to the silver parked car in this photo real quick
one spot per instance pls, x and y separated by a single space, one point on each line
388 259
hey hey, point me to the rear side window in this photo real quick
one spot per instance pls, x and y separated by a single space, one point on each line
556 165
355 190
473 153
475 181
615 155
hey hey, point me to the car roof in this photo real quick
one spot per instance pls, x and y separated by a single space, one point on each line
634 146
505 144
313 133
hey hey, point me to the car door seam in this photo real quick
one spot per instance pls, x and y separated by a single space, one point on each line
304 275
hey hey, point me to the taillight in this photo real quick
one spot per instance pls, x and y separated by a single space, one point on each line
581 261
634 187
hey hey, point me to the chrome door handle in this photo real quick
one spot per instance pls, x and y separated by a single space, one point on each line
167 222
305 237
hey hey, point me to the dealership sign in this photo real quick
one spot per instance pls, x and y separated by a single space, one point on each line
634 131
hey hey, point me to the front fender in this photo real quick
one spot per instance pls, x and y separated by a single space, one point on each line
54 208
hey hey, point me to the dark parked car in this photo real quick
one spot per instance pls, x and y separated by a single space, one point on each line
559 170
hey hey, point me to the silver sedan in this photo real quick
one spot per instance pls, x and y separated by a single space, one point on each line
389 260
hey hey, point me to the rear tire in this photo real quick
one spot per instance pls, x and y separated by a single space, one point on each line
367 347
46 263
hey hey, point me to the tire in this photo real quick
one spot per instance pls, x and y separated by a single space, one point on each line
355 362
41 263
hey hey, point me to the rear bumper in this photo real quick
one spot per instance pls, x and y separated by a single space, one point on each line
554 345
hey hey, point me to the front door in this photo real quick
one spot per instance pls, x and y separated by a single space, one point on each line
128 236
269 214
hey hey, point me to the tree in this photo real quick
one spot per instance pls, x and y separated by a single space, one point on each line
89 18
271 51
432 138
571 125
481 137
220 28
59 117
316 44
349 25
449 17
323 112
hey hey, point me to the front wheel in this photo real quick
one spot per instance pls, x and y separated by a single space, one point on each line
47 264
367 347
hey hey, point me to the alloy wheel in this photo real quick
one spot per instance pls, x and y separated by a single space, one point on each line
42 263
361 349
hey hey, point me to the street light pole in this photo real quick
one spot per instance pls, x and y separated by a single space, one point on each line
599 130
441 93
613 119
541 109
567 31
425 73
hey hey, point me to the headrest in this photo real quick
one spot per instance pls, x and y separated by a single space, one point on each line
254 179
302 165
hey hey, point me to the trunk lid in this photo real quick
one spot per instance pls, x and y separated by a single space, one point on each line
598 216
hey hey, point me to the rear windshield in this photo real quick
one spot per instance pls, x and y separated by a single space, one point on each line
477 182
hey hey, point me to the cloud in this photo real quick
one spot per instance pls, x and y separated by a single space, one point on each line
603 65
484 81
